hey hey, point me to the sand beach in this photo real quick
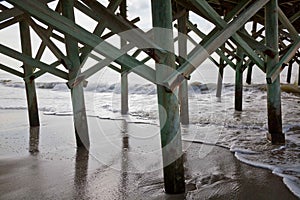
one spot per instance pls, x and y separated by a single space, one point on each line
44 163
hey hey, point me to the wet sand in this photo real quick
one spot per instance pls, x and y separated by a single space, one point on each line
44 163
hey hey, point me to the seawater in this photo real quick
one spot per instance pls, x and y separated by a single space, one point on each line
213 121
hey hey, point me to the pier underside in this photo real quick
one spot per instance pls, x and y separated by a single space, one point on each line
245 34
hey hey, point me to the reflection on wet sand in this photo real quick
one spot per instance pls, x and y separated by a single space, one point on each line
124 161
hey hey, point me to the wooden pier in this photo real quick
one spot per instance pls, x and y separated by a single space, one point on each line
271 45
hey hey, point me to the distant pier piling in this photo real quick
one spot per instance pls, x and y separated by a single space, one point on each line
183 88
220 78
289 73
238 102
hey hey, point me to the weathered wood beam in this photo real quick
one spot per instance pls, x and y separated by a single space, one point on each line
11 71
32 62
10 13
66 26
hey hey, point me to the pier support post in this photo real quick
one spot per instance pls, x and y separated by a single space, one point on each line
77 95
32 105
238 103
299 76
167 100
249 74
183 88
289 73
220 78
124 73
273 90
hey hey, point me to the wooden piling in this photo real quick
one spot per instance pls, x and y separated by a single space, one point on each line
289 73
299 76
77 94
273 89
167 100
124 73
249 73
31 96
183 88
238 103
220 78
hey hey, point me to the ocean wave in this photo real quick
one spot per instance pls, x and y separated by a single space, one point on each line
149 89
